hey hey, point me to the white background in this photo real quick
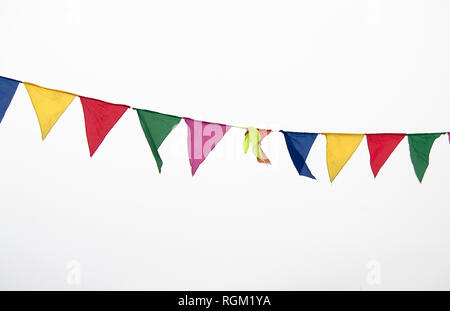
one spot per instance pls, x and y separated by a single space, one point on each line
115 223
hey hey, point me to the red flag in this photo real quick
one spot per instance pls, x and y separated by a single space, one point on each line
380 148
99 118
263 134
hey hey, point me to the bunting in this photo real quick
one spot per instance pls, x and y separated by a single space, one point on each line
99 119
156 127
419 149
48 104
299 145
202 138
381 147
8 88
253 137
340 148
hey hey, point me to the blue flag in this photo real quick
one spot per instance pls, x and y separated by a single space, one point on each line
8 88
299 145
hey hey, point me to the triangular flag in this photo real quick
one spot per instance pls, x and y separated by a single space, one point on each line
8 88
156 127
253 137
202 138
299 145
340 148
49 105
380 148
419 150
99 118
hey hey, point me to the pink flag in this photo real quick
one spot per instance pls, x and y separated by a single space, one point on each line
202 138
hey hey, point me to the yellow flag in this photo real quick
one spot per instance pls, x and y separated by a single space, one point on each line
340 148
49 105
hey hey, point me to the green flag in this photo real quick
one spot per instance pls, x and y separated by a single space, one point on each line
156 127
419 149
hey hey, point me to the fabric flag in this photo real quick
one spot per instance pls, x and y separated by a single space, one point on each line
202 138
340 148
253 137
8 88
48 104
99 119
299 145
419 150
381 147
156 127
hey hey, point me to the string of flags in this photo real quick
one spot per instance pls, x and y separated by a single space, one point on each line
100 117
